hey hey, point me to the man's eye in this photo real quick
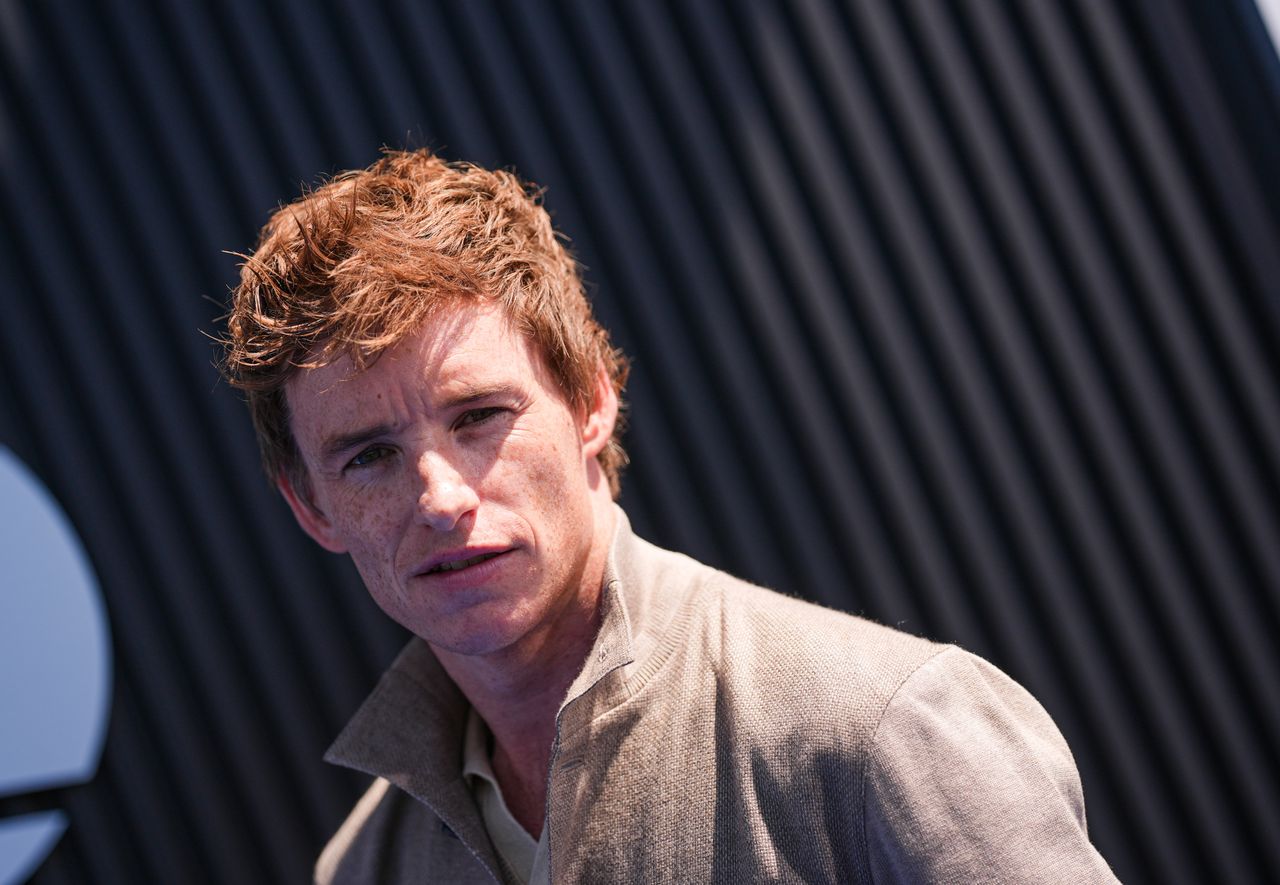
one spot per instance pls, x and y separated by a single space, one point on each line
369 455
477 416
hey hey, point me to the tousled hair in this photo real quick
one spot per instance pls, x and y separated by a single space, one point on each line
358 264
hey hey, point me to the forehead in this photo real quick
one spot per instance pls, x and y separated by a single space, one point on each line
444 345
459 348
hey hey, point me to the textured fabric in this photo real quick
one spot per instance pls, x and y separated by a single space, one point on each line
994 757
723 733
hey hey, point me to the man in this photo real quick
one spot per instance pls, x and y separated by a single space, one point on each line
433 397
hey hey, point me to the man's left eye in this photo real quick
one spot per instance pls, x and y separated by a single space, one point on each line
369 455
477 416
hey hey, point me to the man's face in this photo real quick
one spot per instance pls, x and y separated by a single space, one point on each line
458 478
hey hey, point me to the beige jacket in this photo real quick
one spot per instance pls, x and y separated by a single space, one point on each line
720 732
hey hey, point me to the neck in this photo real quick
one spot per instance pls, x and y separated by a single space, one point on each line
518 690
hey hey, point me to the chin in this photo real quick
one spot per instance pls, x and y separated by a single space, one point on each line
474 636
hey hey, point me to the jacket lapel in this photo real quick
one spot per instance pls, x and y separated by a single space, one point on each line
410 732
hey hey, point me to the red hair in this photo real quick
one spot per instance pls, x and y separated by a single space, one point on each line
355 266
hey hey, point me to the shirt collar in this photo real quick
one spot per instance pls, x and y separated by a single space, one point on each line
475 749
515 846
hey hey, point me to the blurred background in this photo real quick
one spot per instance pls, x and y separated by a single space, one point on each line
963 315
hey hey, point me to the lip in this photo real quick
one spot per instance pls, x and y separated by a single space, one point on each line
465 575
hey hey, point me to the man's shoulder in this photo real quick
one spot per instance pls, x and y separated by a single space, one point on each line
754 613
761 640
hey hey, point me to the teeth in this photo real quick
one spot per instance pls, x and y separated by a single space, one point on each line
462 563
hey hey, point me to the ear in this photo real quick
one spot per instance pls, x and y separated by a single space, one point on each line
309 516
603 415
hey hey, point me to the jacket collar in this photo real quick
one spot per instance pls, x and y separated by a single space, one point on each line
643 620
410 732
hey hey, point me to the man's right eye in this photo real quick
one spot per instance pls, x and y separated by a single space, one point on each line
369 456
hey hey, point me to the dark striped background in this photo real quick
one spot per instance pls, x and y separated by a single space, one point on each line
964 315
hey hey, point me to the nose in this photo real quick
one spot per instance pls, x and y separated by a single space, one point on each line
446 496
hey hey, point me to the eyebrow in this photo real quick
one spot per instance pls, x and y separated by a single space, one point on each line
475 395
336 445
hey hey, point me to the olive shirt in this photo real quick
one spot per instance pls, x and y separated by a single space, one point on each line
719 732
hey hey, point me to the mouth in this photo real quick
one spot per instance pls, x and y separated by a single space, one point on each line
458 565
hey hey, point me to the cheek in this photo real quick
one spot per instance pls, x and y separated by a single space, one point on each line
547 468
556 486
375 541
369 524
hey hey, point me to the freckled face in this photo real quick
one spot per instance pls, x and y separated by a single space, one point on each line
457 477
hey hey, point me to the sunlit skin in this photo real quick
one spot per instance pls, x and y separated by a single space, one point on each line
468 494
